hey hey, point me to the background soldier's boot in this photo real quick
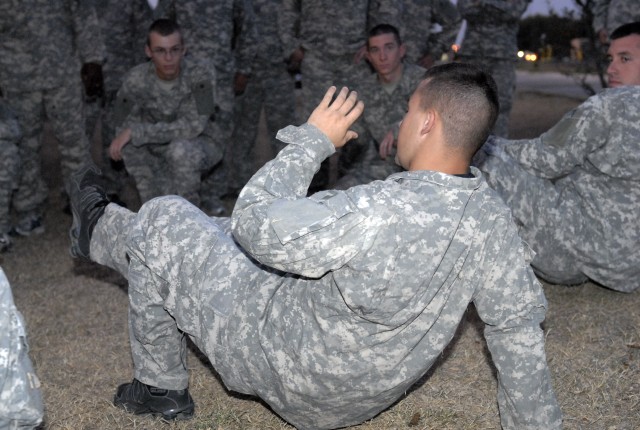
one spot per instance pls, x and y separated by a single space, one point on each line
140 398
28 225
88 201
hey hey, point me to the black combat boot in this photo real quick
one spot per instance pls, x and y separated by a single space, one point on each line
88 201
139 398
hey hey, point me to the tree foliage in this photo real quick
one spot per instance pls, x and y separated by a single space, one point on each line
538 30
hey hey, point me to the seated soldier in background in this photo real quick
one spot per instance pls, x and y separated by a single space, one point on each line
385 93
164 112
575 190
330 307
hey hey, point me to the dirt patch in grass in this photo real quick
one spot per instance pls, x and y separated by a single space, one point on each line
77 321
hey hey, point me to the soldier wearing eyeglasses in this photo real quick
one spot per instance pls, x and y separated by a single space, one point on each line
164 115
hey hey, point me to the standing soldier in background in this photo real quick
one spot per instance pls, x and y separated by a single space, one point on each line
40 44
491 42
270 86
424 48
323 38
224 33
124 25
611 14
9 169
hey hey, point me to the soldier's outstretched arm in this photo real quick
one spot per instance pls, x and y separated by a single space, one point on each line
277 223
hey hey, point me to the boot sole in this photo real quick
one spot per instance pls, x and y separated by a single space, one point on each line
138 409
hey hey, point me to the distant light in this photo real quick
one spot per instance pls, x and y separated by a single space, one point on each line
531 57
455 47
520 54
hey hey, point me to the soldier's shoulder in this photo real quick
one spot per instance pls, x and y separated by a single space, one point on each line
628 92
138 73
414 71
197 69
614 99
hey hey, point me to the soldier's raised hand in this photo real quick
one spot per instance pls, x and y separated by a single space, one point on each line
335 118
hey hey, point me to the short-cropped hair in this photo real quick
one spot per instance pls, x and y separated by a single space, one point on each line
466 98
386 29
626 30
164 27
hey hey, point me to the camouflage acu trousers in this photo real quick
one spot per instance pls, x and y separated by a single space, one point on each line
171 168
216 182
9 173
534 204
63 107
184 273
272 88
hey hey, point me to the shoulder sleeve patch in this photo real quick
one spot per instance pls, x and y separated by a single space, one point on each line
292 219
122 109
203 94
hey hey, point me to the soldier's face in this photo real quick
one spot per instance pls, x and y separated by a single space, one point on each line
624 57
165 52
385 55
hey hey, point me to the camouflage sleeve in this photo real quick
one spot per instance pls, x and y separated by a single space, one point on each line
281 228
512 305
247 40
568 143
288 24
190 120
88 34
446 14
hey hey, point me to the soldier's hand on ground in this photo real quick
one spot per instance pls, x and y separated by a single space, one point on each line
115 149
335 118
387 144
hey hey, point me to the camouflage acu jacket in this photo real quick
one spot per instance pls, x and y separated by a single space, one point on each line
156 115
374 282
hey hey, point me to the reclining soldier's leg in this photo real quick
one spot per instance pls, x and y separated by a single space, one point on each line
537 206
183 269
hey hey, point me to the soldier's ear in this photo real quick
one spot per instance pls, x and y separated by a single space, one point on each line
367 56
147 50
428 121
